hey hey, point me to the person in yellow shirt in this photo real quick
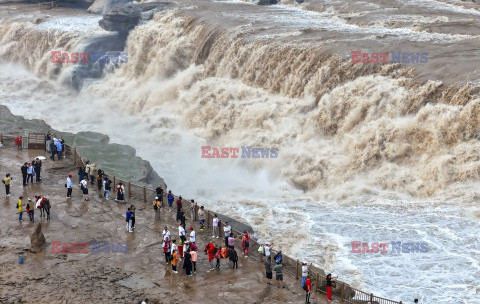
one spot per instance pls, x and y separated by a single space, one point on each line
7 181
156 207
19 208
175 261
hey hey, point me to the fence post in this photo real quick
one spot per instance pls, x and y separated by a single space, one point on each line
144 194
195 212
114 184
75 155
129 190
318 282
296 269
371 297
208 219
341 293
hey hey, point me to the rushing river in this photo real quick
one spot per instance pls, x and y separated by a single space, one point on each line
367 153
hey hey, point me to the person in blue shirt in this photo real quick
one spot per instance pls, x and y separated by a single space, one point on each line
129 220
59 149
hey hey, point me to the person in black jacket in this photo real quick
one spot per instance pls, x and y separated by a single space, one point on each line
24 173
159 191
37 164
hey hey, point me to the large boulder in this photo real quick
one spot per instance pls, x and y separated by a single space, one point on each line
125 18
37 239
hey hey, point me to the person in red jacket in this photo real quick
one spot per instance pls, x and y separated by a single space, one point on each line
308 289
18 142
211 255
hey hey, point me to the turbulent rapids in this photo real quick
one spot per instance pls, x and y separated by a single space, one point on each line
351 136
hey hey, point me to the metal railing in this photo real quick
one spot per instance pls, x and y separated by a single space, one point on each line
341 291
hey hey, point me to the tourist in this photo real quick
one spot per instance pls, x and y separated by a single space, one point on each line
181 233
179 206
170 200
231 241
132 212
211 255
145 301
128 219
24 169
81 174
174 246
279 274
193 253
232 255
18 142
19 208
31 209
159 192
215 227
329 286
99 179
156 207
30 173
227 229
59 149
268 269
166 249
87 171
37 164
120 192
187 263
192 210
166 233
47 207
53 150
6 181
267 248
108 187
84 187
175 260
201 216
245 243
218 256
304 273
69 186
192 235
308 289
181 216
1 144
48 141
93 173
415 301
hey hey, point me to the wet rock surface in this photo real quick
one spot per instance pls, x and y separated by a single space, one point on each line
111 277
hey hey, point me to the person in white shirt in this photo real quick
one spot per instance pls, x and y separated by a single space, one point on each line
166 233
215 227
192 235
181 233
227 229
267 248
84 185
174 246
69 186
304 272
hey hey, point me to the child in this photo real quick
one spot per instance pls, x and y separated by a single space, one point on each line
193 253
218 256
175 261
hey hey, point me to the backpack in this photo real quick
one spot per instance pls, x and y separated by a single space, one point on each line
305 286
17 206
155 207
278 258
